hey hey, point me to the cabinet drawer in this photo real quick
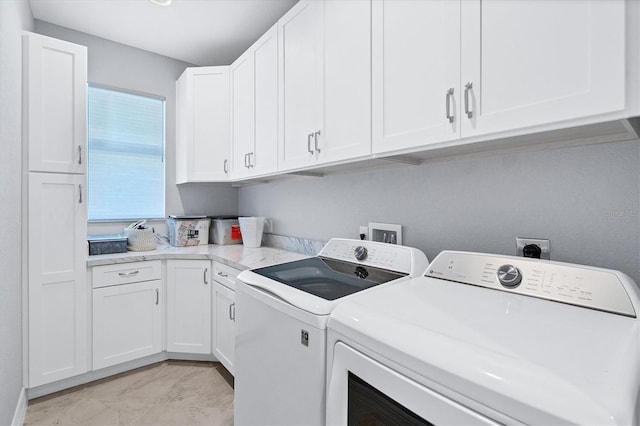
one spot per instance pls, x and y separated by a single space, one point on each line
225 275
124 273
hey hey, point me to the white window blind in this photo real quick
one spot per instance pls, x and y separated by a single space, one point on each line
126 155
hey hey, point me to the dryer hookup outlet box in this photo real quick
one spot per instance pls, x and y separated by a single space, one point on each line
533 247
385 233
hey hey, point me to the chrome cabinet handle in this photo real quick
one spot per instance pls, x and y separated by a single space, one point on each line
309 136
157 296
223 275
128 274
232 312
205 276
467 89
245 160
315 138
80 194
79 154
225 167
250 164
449 116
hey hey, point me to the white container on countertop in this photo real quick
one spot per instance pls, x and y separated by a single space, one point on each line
251 229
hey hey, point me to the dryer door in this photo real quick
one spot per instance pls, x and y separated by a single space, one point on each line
360 388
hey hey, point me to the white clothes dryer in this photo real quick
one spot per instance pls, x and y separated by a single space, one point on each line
488 339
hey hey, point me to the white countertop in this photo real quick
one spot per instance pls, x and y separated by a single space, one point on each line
236 256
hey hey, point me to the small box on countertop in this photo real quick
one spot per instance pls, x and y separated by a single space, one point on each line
225 230
188 230
107 243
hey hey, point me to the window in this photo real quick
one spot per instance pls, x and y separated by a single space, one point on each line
126 155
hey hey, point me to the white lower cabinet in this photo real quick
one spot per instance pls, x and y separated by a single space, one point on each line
224 325
189 306
127 322
224 318
127 312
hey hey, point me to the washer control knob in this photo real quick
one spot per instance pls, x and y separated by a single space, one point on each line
509 276
360 253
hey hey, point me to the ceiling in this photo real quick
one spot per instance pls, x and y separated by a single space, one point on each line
200 32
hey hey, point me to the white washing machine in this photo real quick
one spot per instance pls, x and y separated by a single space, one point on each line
281 317
487 339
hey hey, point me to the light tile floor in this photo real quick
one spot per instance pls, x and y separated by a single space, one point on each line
167 393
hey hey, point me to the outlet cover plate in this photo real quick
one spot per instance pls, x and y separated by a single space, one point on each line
542 243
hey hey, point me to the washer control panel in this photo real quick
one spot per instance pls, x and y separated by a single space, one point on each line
594 288
392 257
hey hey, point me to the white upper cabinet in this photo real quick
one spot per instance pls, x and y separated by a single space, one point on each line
202 127
55 92
254 108
325 75
242 114
445 70
416 72
299 31
535 62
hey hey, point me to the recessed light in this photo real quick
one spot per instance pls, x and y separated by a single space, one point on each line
161 2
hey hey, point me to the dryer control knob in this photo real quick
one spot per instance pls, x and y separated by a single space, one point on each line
360 253
509 276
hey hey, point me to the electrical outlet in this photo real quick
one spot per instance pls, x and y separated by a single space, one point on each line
364 230
268 226
526 243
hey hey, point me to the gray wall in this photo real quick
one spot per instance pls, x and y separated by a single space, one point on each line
15 16
121 66
584 199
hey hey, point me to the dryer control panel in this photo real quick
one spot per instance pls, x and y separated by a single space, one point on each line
594 288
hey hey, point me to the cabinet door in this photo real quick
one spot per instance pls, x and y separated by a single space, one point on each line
265 59
242 114
55 83
416 60
224 326
536 62
126 322
299 32
346 69
202 148
189 306
57 290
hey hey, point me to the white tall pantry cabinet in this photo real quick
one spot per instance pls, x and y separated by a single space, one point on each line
54 132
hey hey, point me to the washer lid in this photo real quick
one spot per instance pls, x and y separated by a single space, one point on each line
327 278
534 360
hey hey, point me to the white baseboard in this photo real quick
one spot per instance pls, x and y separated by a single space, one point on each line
21 409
